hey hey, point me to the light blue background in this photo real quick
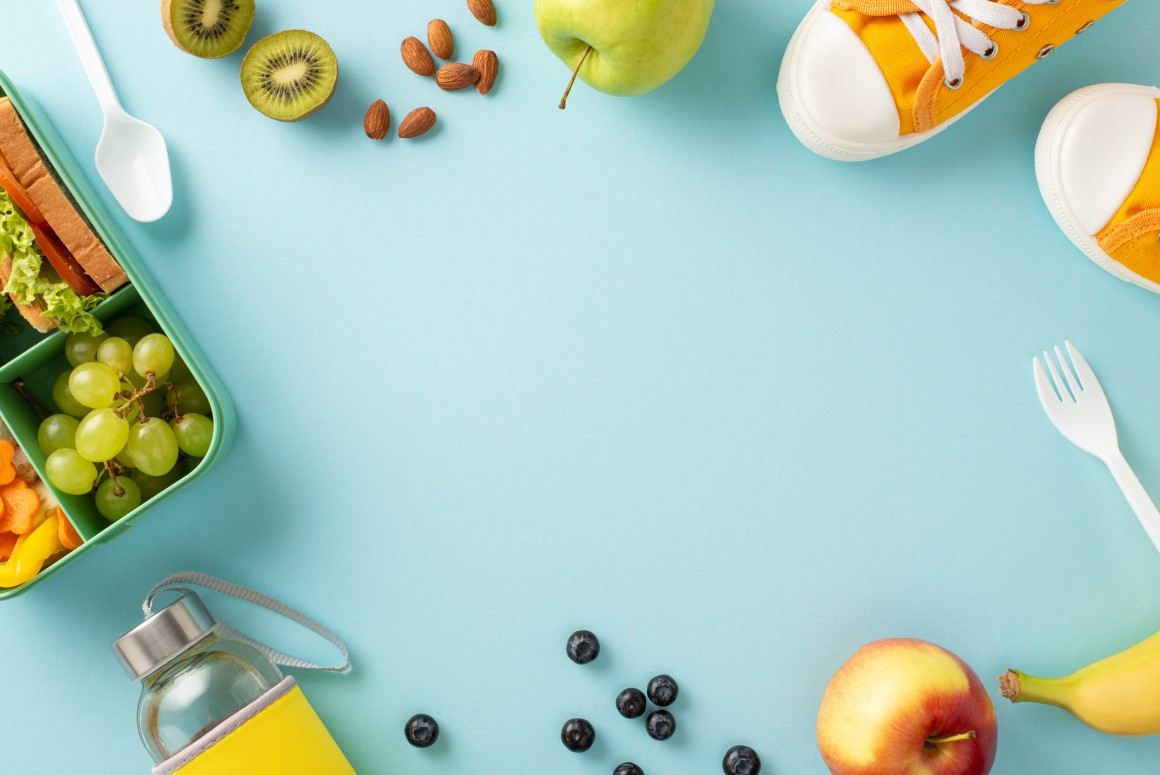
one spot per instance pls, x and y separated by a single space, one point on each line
646 366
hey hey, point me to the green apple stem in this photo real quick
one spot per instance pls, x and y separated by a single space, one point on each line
564 99
951 739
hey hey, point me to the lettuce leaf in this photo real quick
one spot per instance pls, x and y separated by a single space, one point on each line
31 279
71 311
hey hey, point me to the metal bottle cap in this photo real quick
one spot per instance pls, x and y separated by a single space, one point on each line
165 635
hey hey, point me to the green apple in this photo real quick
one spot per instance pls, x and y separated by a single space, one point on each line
623 47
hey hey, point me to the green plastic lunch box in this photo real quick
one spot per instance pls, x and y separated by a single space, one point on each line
36 359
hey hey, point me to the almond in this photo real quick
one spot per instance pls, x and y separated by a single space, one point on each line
440 40
417 122
487 63
456 76
378 120
484 10
417 57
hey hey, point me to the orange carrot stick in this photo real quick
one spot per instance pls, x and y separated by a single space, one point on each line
69 537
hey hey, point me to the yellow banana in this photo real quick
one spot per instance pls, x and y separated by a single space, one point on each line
1119 695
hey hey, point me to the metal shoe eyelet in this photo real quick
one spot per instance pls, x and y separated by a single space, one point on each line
1085 28
991 52
1045 52
954 85
1023 23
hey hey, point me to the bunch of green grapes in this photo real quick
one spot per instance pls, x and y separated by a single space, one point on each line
128 408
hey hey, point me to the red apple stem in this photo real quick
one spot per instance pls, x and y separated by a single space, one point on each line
564 99
951 739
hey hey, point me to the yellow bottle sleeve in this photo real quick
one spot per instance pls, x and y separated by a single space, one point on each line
277 733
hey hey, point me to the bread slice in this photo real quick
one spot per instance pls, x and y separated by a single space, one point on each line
20 153
33 313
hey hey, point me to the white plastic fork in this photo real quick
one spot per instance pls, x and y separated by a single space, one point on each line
1078 408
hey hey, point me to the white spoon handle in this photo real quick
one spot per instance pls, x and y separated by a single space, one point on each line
1137 496
82 39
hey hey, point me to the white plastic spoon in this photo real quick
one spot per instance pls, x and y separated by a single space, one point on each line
131 155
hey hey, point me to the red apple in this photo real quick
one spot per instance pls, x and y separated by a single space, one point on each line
906 707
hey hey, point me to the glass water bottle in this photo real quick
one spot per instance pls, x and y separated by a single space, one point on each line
192 676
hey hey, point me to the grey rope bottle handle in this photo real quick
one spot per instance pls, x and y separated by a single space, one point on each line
183 582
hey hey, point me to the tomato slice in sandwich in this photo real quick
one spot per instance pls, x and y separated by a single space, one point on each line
63 262
20 196
54 250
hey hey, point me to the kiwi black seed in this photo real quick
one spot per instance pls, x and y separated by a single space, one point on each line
209 29
290 75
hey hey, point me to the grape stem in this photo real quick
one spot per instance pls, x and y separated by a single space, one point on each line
138 396
111 469
18 386
173 392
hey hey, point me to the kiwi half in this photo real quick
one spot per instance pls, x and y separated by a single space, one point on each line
290 75
209 29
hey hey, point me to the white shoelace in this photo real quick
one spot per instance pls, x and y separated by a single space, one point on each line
952 34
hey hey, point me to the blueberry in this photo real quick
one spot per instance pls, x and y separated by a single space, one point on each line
661 725
631 703
583 647
578 735
741 760
662 690
422 730
628 768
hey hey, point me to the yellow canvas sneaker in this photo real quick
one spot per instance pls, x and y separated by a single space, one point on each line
1098 164
867 78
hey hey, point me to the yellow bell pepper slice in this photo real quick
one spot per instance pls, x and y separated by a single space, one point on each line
31 552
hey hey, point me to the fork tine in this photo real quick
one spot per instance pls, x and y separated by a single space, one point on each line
1087 377
1065 367
1060 385
1043 384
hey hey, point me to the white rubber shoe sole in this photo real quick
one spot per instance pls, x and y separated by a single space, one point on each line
813 136
1048 151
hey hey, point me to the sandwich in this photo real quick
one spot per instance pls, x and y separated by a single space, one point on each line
53 268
